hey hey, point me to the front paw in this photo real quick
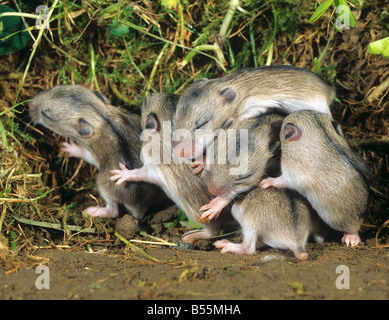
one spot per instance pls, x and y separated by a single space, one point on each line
198 167
72 149
266 183
213 209
273 182
121 175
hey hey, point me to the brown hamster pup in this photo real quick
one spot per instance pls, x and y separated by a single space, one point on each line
282 219
256 140
101 135
208 105
317 161
189 192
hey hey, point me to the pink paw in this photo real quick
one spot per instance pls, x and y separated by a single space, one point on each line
73 149
220 244
213 208
198 167
101 212
273 182
192 236
228 246
352 239
121 175
266 183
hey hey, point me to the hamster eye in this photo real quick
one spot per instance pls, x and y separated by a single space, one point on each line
152 122
202 124
84 128
47 114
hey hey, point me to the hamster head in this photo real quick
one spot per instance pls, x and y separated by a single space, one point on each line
160 107
314 138
69 110
157 113
204 102
311 132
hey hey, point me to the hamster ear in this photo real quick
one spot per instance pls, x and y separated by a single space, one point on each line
84 128
229 95
337 127
102 97
152 123
291 132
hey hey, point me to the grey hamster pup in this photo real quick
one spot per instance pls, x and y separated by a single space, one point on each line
317 161
188 191
101 135
282 219
208 105
253 144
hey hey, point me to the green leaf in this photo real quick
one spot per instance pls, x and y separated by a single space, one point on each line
345 15
379 47
12 34
320 10
118 29
181 215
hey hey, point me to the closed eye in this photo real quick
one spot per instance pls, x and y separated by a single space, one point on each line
202 124
46 114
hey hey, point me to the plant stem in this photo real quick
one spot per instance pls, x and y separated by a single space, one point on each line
155 68
270 54
195 50
252 40
217 47
143 30
323 54
93 64
378 91
182 22
19 14
34 47
228 18
135 247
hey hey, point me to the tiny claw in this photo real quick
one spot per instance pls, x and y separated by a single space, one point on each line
202 219
199 167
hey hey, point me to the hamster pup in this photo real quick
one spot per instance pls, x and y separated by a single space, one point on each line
317 161
188 191
256 140
101 135
280 218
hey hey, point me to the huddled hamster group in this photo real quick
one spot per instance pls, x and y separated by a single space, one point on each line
272 159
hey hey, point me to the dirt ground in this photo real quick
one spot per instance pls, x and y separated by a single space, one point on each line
201 275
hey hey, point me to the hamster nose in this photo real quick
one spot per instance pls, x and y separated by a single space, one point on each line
34 111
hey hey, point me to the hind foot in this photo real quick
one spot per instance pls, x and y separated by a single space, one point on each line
352 239
103 212
192 236
236 248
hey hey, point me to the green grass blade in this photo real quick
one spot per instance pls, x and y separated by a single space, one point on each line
3 134
320 10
